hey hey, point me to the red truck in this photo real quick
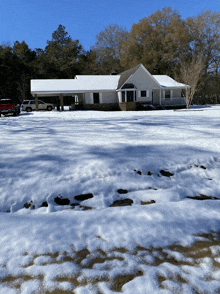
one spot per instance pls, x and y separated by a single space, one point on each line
8 106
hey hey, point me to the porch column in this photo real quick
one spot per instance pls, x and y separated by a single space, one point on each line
61 102
160 97
125 96
119 97
36 102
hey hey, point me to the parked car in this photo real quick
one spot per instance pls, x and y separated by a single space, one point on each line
8 106
29 105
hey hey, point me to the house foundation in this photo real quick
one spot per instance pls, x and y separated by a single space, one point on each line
127 106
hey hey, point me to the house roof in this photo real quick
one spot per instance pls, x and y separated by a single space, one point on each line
124 76
168 82
98 82
79 84
101 83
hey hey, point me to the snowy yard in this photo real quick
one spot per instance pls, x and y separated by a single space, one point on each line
166 164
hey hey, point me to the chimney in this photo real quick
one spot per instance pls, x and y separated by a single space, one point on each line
113 73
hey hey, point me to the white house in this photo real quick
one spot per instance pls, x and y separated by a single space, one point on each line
121 91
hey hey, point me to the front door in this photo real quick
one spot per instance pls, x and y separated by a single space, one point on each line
96 98
130 96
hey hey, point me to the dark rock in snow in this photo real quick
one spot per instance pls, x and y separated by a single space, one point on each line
83 197
44 204
30 205
202 197
202 166
166 173
123 202
196 165
138 172
61 201
122 191
149 173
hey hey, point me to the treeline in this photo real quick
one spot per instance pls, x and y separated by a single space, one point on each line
163 42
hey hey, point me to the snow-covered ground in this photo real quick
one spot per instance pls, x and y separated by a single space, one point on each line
165 242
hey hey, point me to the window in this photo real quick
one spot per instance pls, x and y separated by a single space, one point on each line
6 101
129 86
96 98
167 94
143 93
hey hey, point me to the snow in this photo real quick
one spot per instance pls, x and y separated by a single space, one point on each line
47 154
81 83
166 81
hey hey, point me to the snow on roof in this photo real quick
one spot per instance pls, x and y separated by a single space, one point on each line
84 83
168 82
80 83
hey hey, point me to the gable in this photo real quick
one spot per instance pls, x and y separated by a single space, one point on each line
141 78
124 76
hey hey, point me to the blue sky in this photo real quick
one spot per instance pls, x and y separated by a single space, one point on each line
35 21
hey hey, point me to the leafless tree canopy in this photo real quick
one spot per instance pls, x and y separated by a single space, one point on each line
190 72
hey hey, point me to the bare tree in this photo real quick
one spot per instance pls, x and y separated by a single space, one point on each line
108 48
190 72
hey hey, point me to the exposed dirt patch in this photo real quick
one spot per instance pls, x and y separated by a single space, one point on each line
85 259
121 280
86 208
81 255
121 250
57 292
148 202
16 282
73 205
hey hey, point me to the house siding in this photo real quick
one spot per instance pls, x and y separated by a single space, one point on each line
173 102
105 97
177 93
143 82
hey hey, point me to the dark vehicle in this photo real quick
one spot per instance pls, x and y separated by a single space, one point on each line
8 106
